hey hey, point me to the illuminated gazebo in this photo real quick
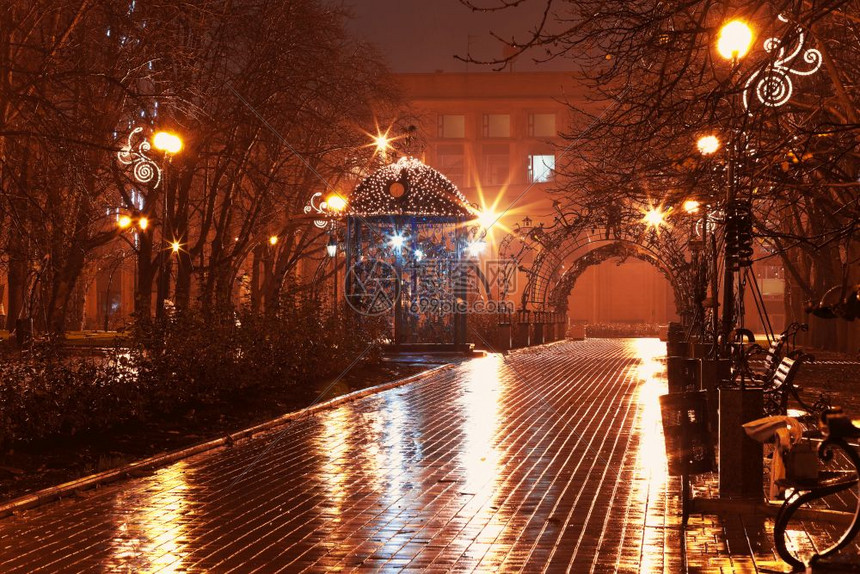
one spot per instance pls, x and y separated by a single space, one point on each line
406 248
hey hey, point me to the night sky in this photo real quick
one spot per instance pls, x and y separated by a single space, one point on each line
424 35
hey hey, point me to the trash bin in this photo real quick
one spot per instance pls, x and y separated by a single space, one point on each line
676 343
683 374
685 429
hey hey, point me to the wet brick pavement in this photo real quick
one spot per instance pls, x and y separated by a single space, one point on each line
550 459
541 460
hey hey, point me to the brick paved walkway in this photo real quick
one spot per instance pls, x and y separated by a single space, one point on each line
551 459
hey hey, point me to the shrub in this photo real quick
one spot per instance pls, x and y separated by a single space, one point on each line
192 358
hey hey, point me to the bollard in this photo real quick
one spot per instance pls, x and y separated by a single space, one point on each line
503 337
678 349
701 350
713 371
683 374
538 337
521 334
741 466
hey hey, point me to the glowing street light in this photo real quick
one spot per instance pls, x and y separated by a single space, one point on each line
382 143
654 217
708 144
335 202
487 217
143 223
167 142
691 206
331 247
273 240
734 40
396 241
124 221
175 246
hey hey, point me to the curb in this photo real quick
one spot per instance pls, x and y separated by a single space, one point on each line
52 493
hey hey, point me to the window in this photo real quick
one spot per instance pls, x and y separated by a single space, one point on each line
497 126
452 126
451 163
496 164
541 168
542 126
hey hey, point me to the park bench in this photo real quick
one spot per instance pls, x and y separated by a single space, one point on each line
777 378
781 387
837 430
783 345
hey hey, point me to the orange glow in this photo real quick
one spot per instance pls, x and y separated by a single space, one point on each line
691 206
151 528
124 221
708 145
655 217
175 246
167 142
335 202
273 240
651 457
735 40
381 142
143 223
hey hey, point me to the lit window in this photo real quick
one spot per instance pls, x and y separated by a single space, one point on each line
541 168
497 126
452 126
542 125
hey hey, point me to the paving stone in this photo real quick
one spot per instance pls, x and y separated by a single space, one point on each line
547 459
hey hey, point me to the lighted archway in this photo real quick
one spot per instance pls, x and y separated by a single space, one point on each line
552 258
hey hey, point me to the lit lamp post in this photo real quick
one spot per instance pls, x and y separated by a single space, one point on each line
740 458
169 144
709 145
335 203
734 43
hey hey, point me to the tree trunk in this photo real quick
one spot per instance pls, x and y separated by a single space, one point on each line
145 275
16 280
64 281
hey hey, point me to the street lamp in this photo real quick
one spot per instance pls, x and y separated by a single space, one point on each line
708 144
335 202
167 142
331 250
654 217
691 206
734 40
396 241
733 43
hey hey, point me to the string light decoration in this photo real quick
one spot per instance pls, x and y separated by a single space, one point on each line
772 85
412 188
144 168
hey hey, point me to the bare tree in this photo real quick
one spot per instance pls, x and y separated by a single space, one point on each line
658 84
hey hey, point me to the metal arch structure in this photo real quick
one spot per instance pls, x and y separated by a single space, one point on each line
552 258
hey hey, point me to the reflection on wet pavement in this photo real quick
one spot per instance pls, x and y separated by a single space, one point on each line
547 459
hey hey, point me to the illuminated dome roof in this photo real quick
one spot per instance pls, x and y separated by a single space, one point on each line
409 187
